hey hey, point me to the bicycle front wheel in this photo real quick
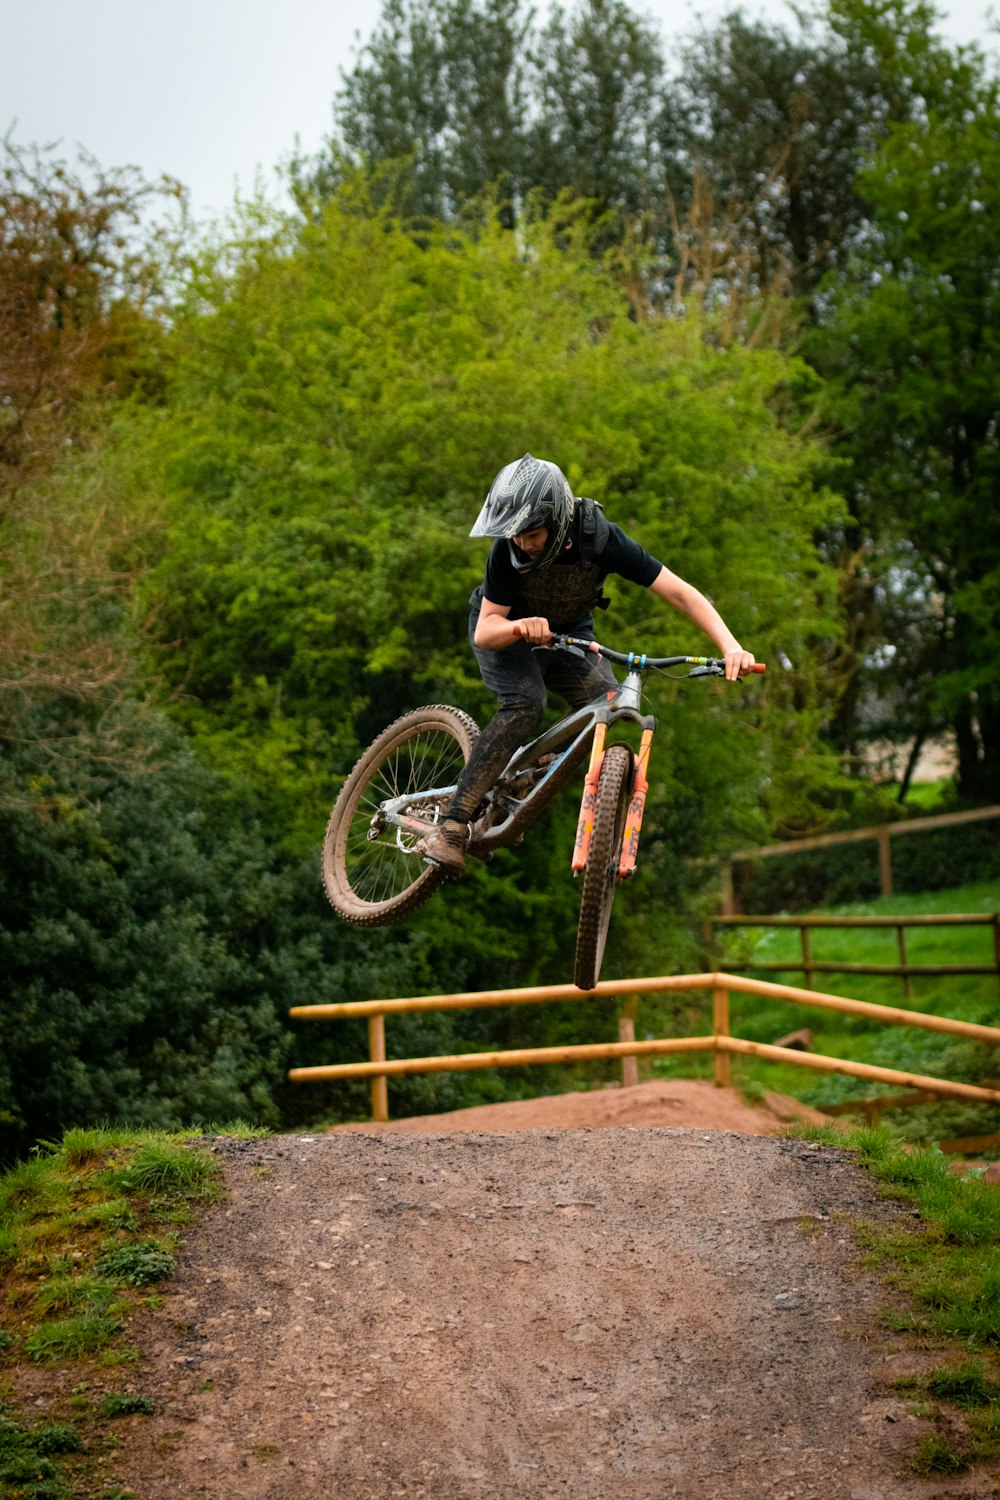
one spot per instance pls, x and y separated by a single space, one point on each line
600 878
374 872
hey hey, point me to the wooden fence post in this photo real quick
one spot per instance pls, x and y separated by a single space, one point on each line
376 1051
884 859
626 1033
727 890
720 1027
807 965
907 981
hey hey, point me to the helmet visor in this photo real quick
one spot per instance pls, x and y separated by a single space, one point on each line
509 521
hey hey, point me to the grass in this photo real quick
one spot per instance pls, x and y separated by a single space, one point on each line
962 997
946 1267
87 1228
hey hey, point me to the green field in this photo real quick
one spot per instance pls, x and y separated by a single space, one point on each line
963 997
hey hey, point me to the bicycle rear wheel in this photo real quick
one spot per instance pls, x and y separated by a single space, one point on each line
374 873
600 878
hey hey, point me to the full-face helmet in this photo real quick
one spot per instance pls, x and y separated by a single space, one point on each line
526 494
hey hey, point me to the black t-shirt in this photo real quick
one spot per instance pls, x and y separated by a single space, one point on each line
620 555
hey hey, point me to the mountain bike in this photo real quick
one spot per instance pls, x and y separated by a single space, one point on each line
374 869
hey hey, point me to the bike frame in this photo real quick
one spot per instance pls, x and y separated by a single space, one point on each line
508 815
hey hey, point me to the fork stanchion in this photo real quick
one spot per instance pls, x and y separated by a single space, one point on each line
585 823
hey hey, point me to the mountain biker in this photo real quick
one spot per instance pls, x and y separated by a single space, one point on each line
551 553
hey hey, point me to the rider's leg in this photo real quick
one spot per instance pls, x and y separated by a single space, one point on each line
515 675
578 680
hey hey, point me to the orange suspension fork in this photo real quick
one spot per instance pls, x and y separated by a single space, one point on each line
585 824
636 808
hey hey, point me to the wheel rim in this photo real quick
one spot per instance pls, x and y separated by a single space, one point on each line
379 860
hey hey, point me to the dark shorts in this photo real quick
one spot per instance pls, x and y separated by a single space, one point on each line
522 676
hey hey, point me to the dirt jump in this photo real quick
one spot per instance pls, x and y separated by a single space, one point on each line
587 1297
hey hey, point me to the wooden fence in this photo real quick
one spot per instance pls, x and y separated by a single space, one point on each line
379 1069
810 966
882 833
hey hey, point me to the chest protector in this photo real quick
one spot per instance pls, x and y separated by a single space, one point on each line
566 592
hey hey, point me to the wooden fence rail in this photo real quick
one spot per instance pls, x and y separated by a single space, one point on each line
904 969
721 1043
882 833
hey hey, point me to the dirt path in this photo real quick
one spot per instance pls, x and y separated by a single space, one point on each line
667 1314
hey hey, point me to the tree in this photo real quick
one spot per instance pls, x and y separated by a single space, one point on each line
341 395
913 358
440 83
777 125
78 286
598 72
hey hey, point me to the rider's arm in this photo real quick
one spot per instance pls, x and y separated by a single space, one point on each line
685 597
494 631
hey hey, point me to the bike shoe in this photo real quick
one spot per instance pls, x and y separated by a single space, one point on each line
445 845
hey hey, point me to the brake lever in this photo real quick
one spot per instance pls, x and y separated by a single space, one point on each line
707 671
561 643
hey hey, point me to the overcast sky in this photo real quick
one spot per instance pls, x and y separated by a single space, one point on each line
211 90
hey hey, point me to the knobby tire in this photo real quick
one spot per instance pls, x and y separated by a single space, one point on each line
372 882
600 878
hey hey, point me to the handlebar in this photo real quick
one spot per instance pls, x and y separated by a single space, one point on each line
704 666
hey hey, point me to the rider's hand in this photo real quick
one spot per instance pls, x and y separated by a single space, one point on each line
738 662
535 630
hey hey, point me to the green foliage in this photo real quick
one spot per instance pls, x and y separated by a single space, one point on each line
26 1454
966 1385
72 1337
126 1404
936 1455
440 82
63 1293
135 941
911 355
137 1264
933 861
80 1242
598 80
167 1171
949 1265
315 584
284 605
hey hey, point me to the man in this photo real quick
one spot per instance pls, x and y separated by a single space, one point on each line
550 556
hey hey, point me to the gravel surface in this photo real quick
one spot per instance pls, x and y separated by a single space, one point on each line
584 1313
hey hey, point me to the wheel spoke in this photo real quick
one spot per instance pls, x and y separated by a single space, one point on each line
374 879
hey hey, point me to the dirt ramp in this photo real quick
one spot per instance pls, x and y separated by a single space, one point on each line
677 1103
586 1314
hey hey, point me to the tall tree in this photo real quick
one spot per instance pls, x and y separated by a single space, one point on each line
912 354
78 282
439 82
777 124
599 70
